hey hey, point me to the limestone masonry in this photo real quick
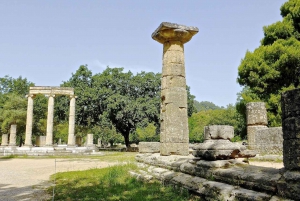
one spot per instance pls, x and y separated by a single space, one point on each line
174 135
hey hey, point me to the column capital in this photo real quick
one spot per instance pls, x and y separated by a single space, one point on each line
173 32
50 95
30 95
73 96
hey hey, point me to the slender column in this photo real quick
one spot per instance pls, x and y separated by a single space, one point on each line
28 132
71 136
49 133
13 135
174 134
4 140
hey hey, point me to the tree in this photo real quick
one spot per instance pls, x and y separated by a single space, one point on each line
205 105
274 66
224 116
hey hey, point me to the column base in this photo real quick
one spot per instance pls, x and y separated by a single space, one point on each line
167 149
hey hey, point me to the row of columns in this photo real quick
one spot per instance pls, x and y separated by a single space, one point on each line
50 116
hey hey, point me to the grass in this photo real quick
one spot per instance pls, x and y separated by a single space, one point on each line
112 184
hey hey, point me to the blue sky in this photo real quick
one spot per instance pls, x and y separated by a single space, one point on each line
46 41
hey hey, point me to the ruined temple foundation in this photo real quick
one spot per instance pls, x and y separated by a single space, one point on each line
256 114
174 135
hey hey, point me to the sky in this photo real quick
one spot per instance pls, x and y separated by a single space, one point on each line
47 41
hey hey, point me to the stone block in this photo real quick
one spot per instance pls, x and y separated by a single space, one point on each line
89 140
291 154
289 185
269 141
172 81
40 141
291 127
216 145
149 147
218 132
173 70
167 149
173 46
176 96
290 104
173 57
251 133
256 113
173 32
4 140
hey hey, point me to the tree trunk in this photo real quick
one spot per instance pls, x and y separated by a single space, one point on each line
126 139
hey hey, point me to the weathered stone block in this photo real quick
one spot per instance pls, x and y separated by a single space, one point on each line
290 104
172 81
173 46
291 154
218 132
289 185
251 133
167 149
173 70
40 141
291 128
149 147
4 140
256 113
176 95
269 141
173 57
171 31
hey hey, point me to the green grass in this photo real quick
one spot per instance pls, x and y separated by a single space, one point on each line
112 184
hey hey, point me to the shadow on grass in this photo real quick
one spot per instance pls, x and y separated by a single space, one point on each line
110 184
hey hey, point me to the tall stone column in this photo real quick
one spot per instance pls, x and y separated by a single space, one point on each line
174 135
13 135
257 119
28 132
71 136
4 140
49 133
289 184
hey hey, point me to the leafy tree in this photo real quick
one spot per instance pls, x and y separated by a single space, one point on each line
274 66
147 133
205 105
224 116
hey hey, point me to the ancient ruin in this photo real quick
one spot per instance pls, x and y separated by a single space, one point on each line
262 139
50 92
174 134
217 145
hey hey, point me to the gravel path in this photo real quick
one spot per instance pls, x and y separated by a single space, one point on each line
26 179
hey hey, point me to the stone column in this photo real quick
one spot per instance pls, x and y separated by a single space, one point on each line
13 135
174 135
49 133
257 119
28 132
89 140
289 185
4 140
71 136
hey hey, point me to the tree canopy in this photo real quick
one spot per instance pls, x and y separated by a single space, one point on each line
274 66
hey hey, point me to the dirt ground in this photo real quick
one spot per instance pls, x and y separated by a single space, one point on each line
26 179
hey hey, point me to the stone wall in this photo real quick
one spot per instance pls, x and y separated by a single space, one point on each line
269 141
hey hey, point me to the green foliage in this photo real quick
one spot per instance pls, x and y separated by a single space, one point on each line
148 133
226 116
112 183
274 66
205 105
191 99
